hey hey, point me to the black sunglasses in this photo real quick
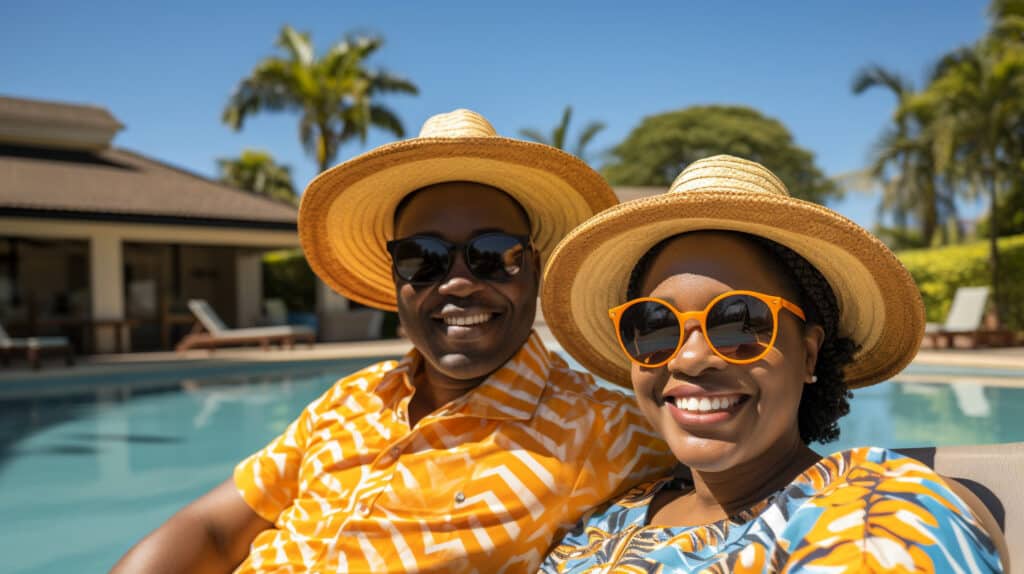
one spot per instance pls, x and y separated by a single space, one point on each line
424 259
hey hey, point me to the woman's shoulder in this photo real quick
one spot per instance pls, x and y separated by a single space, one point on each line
892 508
867 476
629 508
615 515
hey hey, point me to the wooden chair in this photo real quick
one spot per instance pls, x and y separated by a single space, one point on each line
210 332
34 348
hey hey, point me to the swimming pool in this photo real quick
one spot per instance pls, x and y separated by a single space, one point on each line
83 478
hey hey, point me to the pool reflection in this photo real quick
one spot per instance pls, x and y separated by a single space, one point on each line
933 414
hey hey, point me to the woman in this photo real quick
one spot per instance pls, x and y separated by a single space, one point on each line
742 317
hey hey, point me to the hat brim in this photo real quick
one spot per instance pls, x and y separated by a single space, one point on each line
588 273
347 212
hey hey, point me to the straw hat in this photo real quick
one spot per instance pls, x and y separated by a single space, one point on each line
880 306
347 212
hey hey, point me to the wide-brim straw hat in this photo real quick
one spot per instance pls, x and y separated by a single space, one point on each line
588 273
347 212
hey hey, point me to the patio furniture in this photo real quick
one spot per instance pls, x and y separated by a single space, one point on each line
275 312
993 474
966 317
34 348
210 332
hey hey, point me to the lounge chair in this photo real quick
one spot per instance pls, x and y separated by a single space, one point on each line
210 331
992 473
275 312
966 316
34 348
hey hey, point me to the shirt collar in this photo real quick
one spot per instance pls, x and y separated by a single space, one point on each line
512 392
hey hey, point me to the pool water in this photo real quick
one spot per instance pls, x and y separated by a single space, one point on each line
82 479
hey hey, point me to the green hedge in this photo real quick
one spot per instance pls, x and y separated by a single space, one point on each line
939 271
287 276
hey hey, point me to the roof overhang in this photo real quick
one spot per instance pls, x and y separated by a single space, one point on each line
145 219
56 125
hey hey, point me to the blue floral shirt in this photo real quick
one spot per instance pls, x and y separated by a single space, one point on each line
864 509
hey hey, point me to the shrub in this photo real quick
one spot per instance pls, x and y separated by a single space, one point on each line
939 271
287 276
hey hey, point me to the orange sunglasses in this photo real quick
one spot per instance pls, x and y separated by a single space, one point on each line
739 326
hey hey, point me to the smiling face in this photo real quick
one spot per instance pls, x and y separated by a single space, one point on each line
466 327
747 409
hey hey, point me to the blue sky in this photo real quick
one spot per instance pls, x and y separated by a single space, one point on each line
166 69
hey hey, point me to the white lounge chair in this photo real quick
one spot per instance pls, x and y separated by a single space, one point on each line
33 347
275 312
210 332
966 316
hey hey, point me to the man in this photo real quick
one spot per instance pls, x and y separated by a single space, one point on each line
479 447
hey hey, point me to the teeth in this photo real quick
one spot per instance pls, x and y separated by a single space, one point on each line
466 321
704 405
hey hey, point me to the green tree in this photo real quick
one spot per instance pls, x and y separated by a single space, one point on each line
256 171
559 134
663 145
904 164
977 98
334 93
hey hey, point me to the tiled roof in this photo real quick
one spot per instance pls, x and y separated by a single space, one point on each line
116 183
55 113
627 193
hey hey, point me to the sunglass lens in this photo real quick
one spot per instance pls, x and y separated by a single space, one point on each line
649 331
421 259
740 326
495 256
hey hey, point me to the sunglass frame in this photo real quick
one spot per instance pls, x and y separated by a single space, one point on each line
774 303
451 248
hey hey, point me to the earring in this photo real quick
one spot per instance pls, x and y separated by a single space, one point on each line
814 378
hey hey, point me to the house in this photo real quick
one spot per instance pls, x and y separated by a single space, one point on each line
105 245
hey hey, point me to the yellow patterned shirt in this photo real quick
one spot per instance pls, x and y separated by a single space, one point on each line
484 484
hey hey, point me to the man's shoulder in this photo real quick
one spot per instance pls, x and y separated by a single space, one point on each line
567 383
360 382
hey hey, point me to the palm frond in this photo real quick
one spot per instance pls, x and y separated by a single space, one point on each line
297 45
534 135
271 87
877 76
385 119
589 132
384 82
558 135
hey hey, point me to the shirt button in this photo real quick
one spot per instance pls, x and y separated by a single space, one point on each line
459 497
363 509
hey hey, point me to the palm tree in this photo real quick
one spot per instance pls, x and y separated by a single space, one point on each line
560 133
256 171
334 93
904 161
977 97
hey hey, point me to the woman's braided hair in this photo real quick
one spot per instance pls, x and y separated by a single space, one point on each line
824 402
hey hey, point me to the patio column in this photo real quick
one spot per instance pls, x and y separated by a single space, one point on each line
106 269
332 312
248 288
